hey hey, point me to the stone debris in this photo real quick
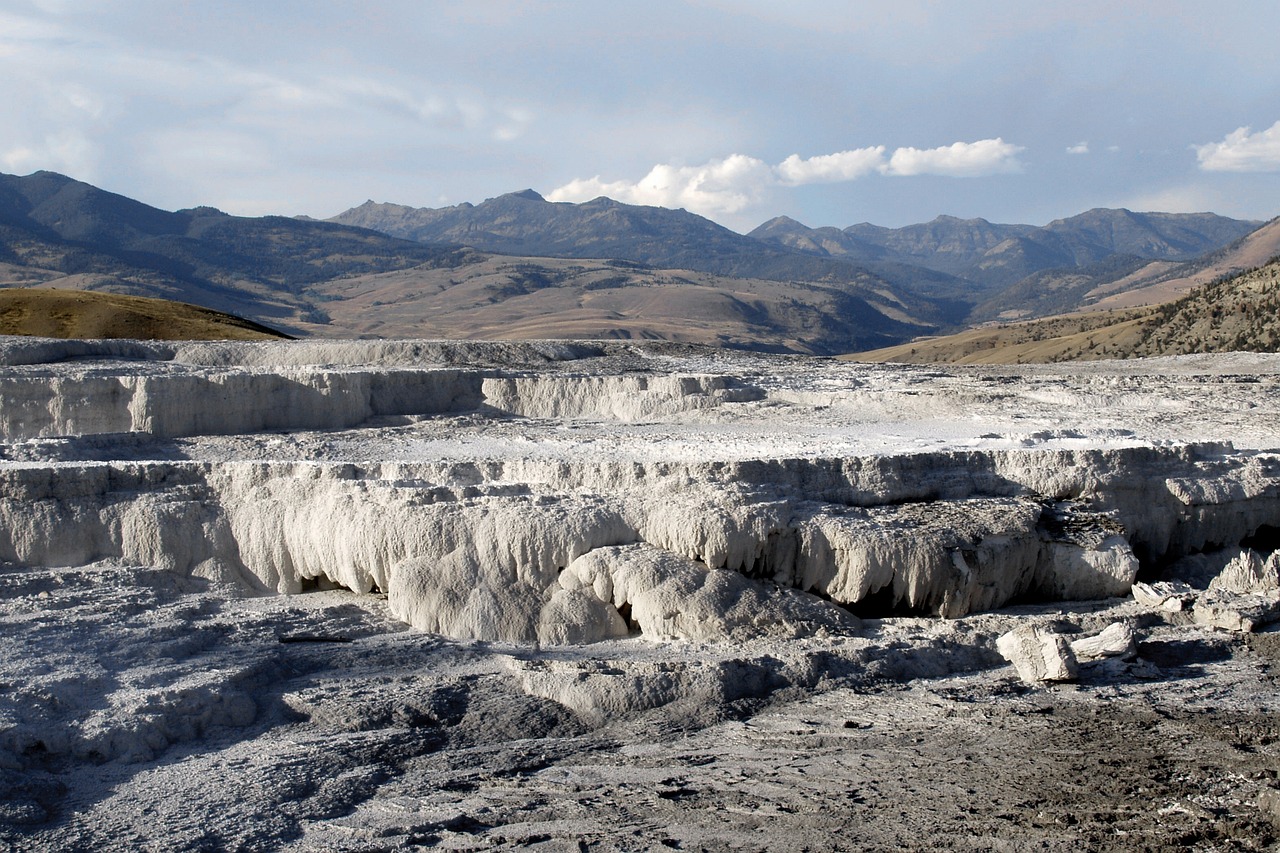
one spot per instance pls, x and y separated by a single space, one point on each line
1039 655
1269 804
1167 596
1235 612
1115 641
1243 596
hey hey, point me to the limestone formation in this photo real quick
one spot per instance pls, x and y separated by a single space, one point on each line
394 594
1249 573
573 493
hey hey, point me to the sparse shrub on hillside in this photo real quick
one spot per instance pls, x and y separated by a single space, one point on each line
1237 312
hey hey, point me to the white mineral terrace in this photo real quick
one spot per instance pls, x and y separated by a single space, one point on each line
571 493
322 596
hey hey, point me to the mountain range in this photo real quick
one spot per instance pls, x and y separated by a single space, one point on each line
56 231
520 266
968 269
999 255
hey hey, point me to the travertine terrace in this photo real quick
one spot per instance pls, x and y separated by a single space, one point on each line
416 549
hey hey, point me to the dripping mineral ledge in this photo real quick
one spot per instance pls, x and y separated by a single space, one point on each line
578 492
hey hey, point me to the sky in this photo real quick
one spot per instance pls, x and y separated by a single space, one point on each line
832 113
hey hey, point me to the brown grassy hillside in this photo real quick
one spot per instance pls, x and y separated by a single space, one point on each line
499 297
81 314
1237 313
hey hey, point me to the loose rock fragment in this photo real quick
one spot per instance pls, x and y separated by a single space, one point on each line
1244 613
1169 596
1269 804
1114 641
1038 655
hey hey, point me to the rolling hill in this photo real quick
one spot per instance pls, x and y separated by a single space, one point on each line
497 296
82 314
1238 312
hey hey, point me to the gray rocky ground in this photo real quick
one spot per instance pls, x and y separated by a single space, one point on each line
157 693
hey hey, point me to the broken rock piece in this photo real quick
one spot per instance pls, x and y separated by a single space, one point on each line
1114 641
1169 596
1038 655
1244 613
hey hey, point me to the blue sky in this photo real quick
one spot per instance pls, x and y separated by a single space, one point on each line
832 113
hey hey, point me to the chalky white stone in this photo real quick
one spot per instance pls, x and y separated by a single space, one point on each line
567 493
362 595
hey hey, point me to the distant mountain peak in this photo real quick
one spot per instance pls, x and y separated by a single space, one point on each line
528 195
206 210
779 221
601 201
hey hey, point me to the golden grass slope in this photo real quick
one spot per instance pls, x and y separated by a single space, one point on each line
1096 335
1239 313
83 314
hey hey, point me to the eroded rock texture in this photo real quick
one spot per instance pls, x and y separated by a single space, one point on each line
575 493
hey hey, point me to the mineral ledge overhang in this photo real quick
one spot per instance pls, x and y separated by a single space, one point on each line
576 492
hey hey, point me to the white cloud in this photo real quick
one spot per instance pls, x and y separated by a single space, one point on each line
721 186
959 160
19 159
1242 151
69 152
829 168
1078 148
734 183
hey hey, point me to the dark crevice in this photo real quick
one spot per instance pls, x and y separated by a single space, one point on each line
633 627
322 583
1265 540
881 604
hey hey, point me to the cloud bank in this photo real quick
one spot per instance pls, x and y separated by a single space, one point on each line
721 186
960 160
830 168
1242 151
730 185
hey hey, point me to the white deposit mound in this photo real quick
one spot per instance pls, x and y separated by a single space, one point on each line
377 595
504 491
570 493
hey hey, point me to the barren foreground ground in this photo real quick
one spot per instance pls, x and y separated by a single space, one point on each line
178 703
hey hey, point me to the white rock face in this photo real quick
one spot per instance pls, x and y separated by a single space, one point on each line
575 493
675 598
